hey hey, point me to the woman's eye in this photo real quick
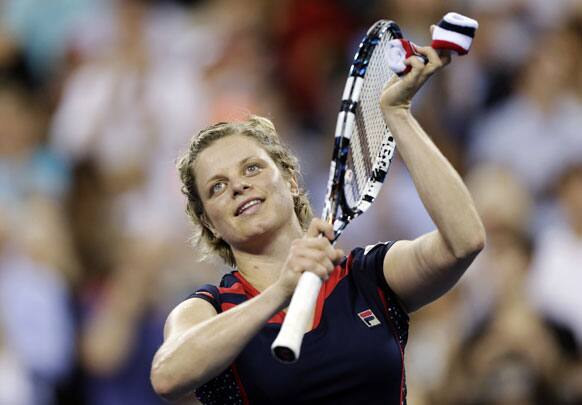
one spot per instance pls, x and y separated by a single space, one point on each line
252 169
217 188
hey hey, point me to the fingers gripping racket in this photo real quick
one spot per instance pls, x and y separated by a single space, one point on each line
362 153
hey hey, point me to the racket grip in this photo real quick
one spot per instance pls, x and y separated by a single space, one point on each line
287 346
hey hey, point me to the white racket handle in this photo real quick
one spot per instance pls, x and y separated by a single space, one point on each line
287 346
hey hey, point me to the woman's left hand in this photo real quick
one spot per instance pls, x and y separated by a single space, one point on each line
399 92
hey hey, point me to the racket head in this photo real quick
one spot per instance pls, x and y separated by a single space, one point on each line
363 147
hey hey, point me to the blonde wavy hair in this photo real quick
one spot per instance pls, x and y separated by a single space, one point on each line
263 132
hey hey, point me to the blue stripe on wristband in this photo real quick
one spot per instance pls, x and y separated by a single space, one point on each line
468 31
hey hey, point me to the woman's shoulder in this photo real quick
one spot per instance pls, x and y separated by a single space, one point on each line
217 295
187 313
205 301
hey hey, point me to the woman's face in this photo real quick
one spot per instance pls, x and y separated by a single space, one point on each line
245 196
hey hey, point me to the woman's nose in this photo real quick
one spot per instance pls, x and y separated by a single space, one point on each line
239 187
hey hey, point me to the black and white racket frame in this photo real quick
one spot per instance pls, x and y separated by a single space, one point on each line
287 346
335 198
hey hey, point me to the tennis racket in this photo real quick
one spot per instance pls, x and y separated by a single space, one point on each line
362 153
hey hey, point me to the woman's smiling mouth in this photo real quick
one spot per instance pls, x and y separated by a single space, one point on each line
248 207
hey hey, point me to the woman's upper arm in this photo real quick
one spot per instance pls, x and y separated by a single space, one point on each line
166 374
422 270
187 314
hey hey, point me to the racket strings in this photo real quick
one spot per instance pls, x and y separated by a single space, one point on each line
370 128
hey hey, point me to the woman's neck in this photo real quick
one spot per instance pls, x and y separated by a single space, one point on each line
262 269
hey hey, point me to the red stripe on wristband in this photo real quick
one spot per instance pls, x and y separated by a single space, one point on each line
440 44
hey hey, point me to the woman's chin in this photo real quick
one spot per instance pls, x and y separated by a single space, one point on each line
259 235
254 229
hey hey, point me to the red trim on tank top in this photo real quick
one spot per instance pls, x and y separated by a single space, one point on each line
225 306
328 286
383 299
241 388
251 292
236 288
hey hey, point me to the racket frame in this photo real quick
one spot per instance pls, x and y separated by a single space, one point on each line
287 346
335 197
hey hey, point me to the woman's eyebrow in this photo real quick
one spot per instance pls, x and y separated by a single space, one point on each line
242 162
245 160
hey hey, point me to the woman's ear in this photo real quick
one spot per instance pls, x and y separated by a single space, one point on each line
293 186
207 224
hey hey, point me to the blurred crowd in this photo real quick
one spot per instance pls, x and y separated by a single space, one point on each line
97 99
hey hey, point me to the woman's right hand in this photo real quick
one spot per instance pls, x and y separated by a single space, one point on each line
311 253
399 92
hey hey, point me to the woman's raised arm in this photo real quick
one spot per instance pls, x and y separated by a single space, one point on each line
422 270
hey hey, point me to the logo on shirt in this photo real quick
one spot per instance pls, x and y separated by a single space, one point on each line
369 318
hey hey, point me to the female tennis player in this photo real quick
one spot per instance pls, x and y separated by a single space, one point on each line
244 195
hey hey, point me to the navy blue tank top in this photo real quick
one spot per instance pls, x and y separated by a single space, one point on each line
353 355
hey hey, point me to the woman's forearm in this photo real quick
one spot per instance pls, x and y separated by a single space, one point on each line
439 186
207 348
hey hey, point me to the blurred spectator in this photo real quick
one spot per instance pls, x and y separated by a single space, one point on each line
491 364
121 330
12 63
311 39
505 207
15 385
542 121
129 286
484 299
498 366
127 109
130 107
556 274
434 338
415 16
43 28
570 383
35 314
478 83
27 167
